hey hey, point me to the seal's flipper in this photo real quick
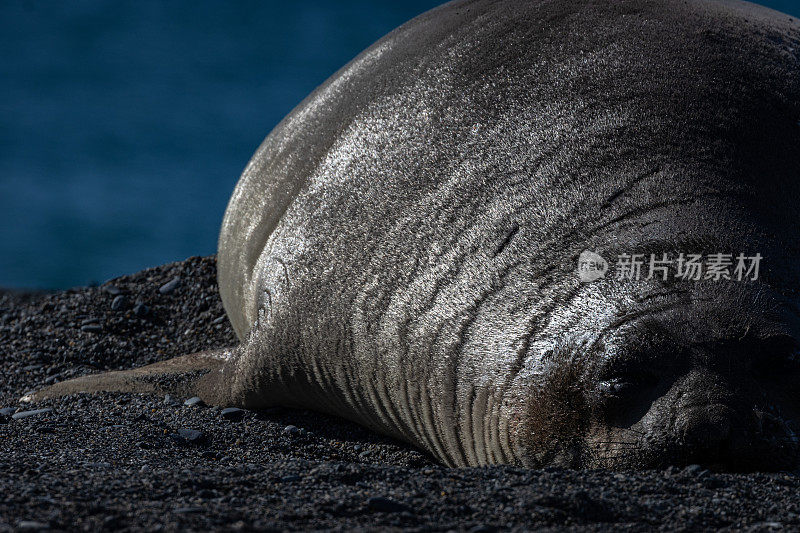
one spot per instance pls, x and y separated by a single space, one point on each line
178 376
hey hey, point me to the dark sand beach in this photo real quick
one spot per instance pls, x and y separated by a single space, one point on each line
128 462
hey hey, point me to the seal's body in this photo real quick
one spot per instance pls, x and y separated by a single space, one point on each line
402 249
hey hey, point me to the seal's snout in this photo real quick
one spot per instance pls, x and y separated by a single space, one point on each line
728 399
707 427
734 407
732 439
735 404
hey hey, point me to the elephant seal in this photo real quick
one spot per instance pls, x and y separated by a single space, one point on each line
401 250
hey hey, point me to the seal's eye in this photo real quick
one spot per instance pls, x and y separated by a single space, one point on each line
626 376
626 382
625 391
615 387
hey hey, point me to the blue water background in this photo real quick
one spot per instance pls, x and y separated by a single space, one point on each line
124 125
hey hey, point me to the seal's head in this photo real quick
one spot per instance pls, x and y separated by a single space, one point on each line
704 375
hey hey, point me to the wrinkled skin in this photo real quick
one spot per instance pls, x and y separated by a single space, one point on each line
401 251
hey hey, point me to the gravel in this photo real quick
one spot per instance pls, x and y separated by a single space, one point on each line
135 463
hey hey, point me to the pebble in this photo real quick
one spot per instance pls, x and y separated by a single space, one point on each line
169 287
385 505
188 510
92 328
169 400
119 303
28 414
219 320
482 529
695 471
291 430
113 290
233 413
194 402
191 435
141 310
28 525
7 411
